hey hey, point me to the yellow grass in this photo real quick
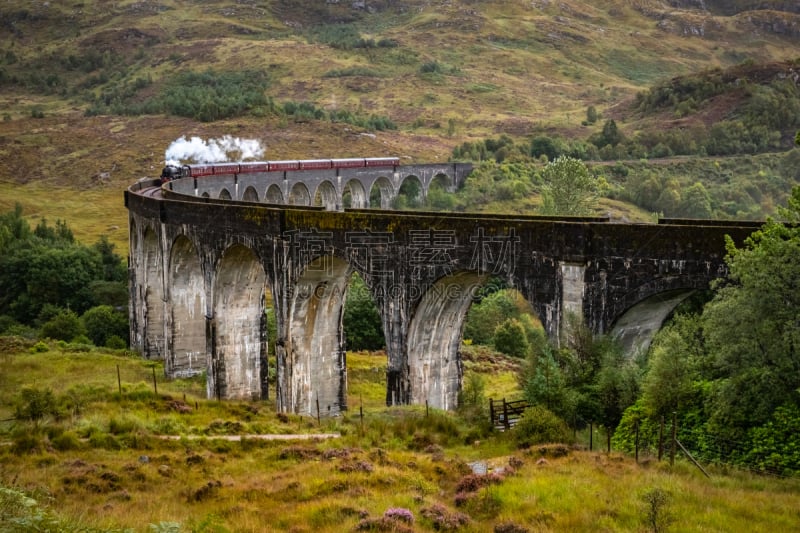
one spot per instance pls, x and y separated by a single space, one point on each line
396 458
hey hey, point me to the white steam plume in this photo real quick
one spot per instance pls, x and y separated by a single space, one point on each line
197 150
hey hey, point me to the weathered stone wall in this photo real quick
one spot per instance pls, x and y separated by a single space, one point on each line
192 256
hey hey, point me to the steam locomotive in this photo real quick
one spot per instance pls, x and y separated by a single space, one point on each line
172 172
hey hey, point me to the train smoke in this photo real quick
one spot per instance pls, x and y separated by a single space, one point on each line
197 150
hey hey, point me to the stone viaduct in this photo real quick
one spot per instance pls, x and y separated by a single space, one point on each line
211 258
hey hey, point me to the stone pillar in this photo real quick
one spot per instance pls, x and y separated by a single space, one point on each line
572 292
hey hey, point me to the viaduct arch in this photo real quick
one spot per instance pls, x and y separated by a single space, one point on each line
201 267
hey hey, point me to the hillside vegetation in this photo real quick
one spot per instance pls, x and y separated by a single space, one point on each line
91 93
94 447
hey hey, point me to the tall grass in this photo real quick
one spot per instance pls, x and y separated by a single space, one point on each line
104 467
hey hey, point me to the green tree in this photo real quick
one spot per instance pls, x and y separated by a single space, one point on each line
103 322
543 383
751 326
112 266
591 115
696 202
510 338
485 316
545 145
362 323
610 136
616 388
47 266
674 367
472 401
64 325
539 425
569 189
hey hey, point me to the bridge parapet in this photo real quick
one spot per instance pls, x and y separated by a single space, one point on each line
334 188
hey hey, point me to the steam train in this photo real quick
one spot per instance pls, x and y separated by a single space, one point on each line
172 172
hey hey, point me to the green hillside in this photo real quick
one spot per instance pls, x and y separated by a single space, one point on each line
91 93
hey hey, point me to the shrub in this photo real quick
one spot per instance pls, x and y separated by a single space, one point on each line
485 504
66 441
104 441
775 446
65 325
539 425
25 441
116 343
120 426
103 322
656 516
399 514
430 67
472 397
509 338
34 404
444 519
40 347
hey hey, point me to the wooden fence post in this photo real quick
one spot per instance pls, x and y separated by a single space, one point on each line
674 439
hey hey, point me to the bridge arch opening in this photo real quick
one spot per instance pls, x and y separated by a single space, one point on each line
440 191
224 194
410 194
250 194
154 328
361 322
497 305
635 329
299 195
317 344
354 196
363 331
187 355
442 182
326 196
238 330
273 195
434 338
381 194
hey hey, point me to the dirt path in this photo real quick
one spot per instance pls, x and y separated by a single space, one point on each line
292 436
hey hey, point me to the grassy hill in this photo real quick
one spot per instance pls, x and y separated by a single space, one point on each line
442 73
111 454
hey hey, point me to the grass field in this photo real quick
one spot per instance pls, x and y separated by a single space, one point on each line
102 464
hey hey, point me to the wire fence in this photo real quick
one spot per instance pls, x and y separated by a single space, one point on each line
700 447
